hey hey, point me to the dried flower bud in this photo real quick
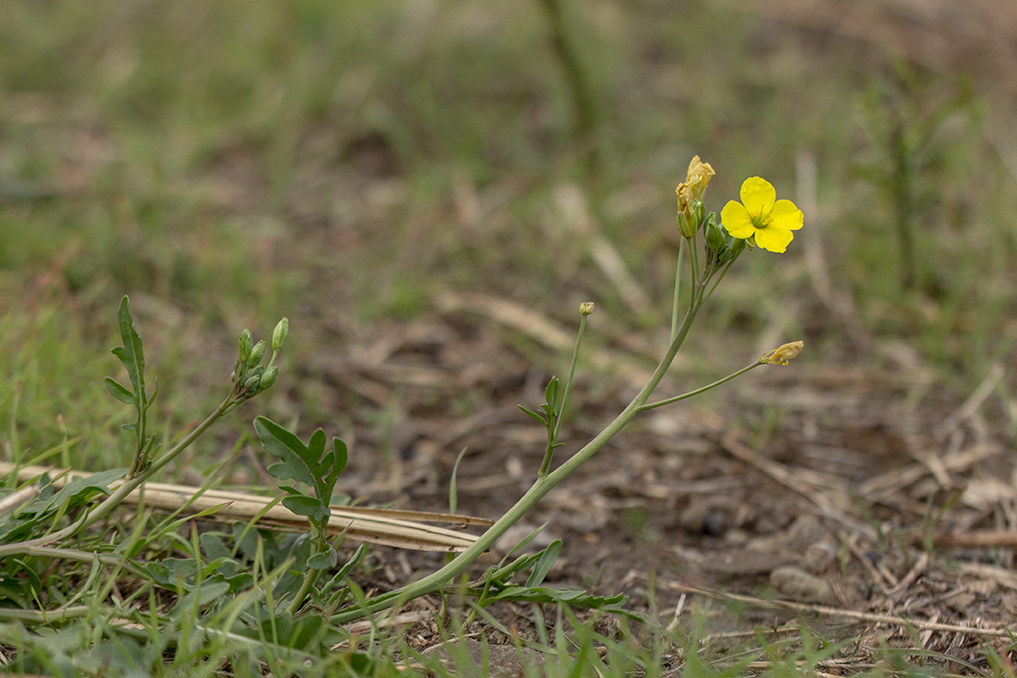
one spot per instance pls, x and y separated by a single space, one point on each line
781 356
693 188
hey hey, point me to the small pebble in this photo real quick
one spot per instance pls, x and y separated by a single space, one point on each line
799 585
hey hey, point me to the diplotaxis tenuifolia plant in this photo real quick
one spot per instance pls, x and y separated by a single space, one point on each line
280 587
712 246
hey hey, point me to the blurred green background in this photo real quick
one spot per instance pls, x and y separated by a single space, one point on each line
343 163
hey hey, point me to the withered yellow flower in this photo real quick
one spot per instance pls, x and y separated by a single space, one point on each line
694 185
781 356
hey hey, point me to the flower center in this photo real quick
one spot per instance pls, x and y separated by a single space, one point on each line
761 220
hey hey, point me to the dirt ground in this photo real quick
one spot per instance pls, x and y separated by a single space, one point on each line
857 495
853 498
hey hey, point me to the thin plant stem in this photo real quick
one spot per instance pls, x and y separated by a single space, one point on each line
677 288
541 487
727 267
128 486
560 415
668 401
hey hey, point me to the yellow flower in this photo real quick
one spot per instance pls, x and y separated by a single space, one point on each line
694 186
761 216
781 355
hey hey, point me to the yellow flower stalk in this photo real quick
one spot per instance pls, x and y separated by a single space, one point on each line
761 218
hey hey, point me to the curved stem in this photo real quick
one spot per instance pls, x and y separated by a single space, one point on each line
677 288
128 486
668 401
541 487
552 437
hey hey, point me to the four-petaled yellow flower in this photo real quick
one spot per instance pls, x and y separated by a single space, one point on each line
694 185
761 217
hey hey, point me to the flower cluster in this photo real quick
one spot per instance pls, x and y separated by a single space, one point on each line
758 220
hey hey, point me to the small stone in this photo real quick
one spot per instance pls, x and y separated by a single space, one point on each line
799 585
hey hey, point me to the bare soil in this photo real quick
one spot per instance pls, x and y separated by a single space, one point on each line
867 501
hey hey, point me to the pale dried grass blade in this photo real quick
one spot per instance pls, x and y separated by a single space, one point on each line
397 528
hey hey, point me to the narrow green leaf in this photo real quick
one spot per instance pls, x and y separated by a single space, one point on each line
131 354
453 497
552 391
341 456
120 393
533 414
547 559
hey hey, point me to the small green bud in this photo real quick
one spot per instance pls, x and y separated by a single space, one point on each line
715 237
251 385
684 227
736 247
246 343
271 376
257 353
586 308
282 330
698 213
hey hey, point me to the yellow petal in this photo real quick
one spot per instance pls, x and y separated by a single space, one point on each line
786 214
758 195
774 239
736 220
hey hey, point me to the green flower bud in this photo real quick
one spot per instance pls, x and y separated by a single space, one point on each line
586 308
698 213
684 227
257 353
271 376
246 343
736 247
715 237
251 385
282 330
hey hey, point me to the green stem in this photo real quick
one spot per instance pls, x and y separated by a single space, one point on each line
309 579
128 486
541 487
677 288
545 466
668 401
